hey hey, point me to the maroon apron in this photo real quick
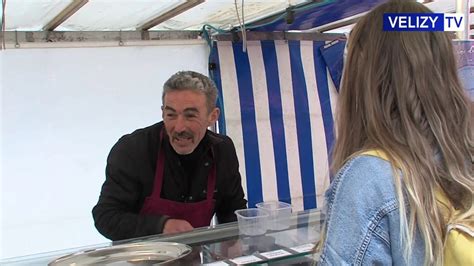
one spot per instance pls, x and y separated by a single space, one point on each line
198 214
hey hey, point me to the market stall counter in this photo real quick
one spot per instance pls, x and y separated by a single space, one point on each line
217 245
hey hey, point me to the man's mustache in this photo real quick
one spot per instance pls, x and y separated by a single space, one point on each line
183 134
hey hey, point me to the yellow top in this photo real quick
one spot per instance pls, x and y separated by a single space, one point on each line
459 245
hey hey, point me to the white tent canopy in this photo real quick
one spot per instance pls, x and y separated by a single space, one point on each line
125 15
160 15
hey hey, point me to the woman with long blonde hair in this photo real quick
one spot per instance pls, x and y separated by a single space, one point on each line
404 142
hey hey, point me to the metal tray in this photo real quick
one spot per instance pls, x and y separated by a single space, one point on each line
144 253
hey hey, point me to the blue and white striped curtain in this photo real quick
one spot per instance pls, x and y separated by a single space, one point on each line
277 104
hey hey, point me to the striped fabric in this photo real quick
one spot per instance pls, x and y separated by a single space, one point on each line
277 105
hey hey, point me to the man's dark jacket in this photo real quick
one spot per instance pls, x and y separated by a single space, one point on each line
130 174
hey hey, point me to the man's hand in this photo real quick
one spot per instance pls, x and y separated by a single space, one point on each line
176 226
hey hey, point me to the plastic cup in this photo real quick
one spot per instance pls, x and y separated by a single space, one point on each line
252 221
278 214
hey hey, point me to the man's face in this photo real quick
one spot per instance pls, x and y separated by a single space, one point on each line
186 119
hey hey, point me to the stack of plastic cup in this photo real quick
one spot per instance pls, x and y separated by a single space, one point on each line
278 214
252 221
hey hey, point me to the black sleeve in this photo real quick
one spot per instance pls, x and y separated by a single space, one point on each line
232 195
116 214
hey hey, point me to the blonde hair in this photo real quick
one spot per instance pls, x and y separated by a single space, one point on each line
401 94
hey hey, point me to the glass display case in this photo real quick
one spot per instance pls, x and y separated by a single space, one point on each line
217 245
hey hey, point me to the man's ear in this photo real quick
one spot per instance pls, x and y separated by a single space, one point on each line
162 112
214 115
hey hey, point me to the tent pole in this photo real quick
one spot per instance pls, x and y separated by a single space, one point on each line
463 6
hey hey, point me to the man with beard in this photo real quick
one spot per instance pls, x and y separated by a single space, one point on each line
175 175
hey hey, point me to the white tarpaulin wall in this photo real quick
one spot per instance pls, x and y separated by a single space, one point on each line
62 110
278 105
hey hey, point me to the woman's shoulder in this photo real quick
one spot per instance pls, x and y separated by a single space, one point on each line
361 202
364 178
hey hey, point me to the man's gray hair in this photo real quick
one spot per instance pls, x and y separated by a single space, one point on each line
194 81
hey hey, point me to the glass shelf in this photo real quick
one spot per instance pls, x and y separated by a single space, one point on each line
224 245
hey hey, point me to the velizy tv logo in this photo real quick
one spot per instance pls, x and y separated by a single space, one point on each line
423 22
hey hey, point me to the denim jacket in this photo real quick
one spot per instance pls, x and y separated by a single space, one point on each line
363 220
